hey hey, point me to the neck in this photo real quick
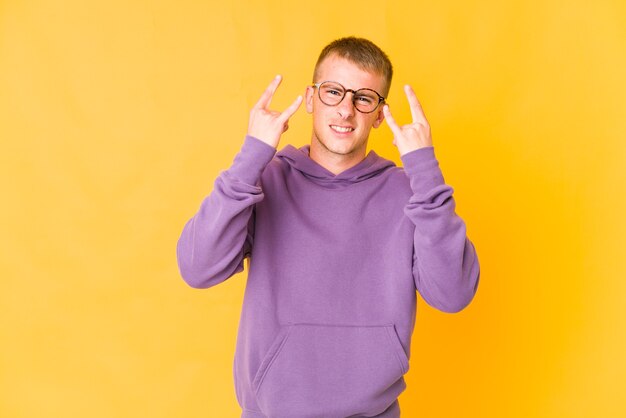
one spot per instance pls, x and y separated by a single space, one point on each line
334 162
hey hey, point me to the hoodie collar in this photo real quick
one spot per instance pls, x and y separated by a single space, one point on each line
298 159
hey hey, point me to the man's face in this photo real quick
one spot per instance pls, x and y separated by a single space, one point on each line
341 130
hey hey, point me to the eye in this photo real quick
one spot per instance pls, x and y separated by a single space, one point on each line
334 92
365 99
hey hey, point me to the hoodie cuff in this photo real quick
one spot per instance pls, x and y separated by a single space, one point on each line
423 169
250 162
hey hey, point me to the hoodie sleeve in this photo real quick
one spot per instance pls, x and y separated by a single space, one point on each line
445 264
214 243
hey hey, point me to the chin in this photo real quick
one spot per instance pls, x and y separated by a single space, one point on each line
340 149
339 146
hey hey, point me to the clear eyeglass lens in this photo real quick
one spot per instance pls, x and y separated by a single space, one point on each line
365 100
331 93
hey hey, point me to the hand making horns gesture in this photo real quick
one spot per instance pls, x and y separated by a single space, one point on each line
268 125
415 135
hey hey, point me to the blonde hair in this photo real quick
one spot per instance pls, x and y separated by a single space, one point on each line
362 52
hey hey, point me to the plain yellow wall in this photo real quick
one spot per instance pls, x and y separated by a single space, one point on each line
116 116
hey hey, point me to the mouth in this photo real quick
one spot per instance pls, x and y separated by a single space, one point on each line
341 129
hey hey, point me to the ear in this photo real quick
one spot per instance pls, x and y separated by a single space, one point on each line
308 98
379 117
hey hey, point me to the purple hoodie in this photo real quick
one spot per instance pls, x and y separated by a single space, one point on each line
335 260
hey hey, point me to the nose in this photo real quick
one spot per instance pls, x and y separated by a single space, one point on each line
346 107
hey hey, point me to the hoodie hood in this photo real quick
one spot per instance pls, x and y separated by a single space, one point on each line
298 158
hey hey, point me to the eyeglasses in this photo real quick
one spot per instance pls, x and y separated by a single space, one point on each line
332 93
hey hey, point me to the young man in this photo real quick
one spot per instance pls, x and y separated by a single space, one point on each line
338 243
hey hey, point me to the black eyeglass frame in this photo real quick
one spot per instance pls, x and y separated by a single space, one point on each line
381 99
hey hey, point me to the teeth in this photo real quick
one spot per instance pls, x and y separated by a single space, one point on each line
341 129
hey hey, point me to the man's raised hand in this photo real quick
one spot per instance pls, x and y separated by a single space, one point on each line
415 135
268 125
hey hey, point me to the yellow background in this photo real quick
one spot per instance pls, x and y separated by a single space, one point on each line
116 116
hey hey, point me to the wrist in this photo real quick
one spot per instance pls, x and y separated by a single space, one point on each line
263 138
408 149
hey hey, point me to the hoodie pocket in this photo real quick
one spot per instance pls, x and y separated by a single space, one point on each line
316 370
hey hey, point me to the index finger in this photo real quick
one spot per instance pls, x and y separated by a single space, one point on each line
391 121
287 113
416 108
266 97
